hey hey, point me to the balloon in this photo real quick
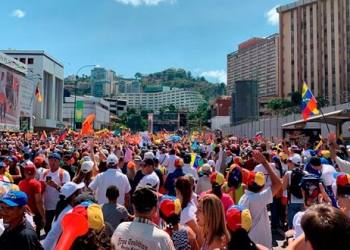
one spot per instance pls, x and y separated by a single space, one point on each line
73 226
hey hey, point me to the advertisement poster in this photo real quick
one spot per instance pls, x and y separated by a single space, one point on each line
16 99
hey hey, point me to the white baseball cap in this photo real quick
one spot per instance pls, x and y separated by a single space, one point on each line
148 155
112 160
296 159
211 163
86 167
70 187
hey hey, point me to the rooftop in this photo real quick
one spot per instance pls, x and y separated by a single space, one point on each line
291 6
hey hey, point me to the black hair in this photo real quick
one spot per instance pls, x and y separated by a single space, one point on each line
26 156
240 241
112 192
216 189
92 241
63 203
187 158
172 220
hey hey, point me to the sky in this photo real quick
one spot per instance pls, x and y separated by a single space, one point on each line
130 36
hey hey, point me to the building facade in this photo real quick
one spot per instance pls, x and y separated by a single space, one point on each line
100 84
47 73
315 48
255 59
91 105
179 97
129 86
117 106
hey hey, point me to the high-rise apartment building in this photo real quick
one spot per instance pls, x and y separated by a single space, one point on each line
100 85
255 59
315 47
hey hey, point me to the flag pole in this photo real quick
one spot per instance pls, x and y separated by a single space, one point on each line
325 120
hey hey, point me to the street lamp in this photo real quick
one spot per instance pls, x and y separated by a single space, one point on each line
75 90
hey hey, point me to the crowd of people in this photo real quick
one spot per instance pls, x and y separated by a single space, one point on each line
107 193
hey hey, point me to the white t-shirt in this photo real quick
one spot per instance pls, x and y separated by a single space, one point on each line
261 168
188 169
327 174
111 177
297 224
260 233
140 236
203 184
51 195
169 163
150 179
188 214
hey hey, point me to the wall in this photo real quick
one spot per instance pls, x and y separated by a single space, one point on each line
273 126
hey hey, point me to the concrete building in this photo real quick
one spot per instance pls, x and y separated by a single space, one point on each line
315 47
255 59
111 78
179 97
49 74
100 84
220 112
117 106
91 105
129 86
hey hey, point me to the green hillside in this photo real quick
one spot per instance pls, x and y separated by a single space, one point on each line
181 78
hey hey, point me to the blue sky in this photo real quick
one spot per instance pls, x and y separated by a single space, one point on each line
132 36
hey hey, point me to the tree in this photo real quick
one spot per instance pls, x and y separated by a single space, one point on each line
322 102
172 108
138 75
295 98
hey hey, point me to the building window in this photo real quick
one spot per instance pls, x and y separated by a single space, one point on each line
22 60
30 60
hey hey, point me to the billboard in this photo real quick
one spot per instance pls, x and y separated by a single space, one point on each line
16 99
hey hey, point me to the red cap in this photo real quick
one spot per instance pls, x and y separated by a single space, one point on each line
30 169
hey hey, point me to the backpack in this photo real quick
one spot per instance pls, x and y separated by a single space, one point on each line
294 188
60 174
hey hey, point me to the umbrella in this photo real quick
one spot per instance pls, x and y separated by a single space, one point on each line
175 138
233 138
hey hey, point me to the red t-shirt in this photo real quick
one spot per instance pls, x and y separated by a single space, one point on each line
31 187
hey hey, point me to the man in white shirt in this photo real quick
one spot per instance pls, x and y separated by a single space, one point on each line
163 156
255 199
260 168
150 177
188 169
296 204
113 176
142 233
169 163
52 180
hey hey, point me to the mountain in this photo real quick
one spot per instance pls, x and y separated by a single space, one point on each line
181 78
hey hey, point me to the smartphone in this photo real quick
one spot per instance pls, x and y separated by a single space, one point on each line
48 178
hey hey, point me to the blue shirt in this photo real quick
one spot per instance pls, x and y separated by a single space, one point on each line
170 180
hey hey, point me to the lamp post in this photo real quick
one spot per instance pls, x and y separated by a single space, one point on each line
75 91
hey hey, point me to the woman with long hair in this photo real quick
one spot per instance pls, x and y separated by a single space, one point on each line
239 222
85 174
183 189
69 192
217 180
211 220
183 237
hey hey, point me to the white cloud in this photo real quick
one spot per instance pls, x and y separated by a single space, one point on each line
145 2
218 74
272 16
18 13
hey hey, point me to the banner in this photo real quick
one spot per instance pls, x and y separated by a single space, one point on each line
16 99
79 111
24 124
150 123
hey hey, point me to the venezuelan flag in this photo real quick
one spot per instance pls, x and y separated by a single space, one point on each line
63 135
308 104
37 92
